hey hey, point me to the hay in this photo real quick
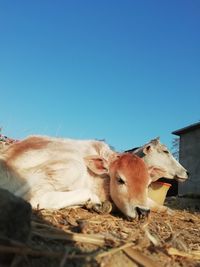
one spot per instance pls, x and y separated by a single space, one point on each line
77 237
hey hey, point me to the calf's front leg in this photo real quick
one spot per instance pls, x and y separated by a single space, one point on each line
157 207
103 208
58 200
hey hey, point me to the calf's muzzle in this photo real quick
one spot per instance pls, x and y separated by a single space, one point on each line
142 212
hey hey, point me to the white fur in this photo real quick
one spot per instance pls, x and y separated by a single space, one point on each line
157 155
68 181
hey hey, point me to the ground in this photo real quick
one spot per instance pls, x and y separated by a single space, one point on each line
78 237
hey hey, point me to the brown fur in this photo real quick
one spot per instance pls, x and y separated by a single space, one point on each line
32 143
133 167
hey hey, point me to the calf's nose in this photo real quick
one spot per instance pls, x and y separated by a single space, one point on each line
142 212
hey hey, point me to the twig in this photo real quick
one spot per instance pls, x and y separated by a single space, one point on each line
152 238
113 251
28 251
138 257
63 260
42 225
195 255
36 253
92 239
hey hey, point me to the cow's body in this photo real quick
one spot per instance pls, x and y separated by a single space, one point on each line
57 173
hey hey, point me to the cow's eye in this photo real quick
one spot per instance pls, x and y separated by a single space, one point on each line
166 151
120 180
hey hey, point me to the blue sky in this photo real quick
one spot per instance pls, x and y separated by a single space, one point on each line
126 71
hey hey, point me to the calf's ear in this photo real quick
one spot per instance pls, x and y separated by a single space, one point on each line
96 164
156 173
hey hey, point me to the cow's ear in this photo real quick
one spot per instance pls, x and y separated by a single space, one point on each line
96 164
156 173
147 149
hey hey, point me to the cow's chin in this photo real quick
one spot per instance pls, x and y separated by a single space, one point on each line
131 212
125 208
180 179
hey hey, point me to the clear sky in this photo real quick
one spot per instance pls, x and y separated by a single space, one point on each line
125 71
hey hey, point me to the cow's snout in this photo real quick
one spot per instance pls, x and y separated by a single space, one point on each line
188 174
142 212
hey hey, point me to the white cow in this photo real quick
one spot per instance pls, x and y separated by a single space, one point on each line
58 173
158 157
161 163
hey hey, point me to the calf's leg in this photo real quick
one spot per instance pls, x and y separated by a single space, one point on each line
103 208
157 207
58 200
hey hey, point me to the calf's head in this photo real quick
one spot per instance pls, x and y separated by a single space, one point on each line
129 179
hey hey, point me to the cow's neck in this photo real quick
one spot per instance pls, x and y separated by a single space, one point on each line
101 187
139 152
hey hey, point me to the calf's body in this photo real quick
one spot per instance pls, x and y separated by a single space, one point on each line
58 173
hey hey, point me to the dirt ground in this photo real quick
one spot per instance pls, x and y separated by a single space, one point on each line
78 237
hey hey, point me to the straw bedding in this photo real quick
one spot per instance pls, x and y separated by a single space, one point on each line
78 237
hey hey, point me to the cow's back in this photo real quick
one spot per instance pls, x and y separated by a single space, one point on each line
36 150
41 163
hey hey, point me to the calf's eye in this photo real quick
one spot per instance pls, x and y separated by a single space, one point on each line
120 180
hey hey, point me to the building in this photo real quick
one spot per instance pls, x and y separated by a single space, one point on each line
189 157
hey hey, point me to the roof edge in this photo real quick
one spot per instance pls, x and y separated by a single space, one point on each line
187 129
